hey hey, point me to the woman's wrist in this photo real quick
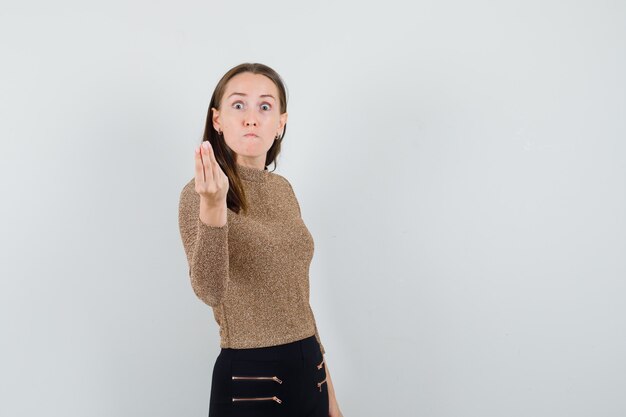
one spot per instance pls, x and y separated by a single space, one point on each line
213 215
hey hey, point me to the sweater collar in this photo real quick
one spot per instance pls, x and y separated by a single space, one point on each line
252 174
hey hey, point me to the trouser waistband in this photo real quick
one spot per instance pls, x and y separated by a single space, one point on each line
304 348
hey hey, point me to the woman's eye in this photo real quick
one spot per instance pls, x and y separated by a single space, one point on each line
268 107
237 104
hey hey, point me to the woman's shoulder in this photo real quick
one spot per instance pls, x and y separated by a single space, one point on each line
280 179
188 191
189 186
285 186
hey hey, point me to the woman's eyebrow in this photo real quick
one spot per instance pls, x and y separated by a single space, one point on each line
245 95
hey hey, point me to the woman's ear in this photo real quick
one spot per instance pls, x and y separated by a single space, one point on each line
283 121
216 119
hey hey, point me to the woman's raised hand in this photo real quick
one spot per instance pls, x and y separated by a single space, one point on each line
211 182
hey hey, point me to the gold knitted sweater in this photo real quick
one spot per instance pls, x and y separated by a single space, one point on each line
254 270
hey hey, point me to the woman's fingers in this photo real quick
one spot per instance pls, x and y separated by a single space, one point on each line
204 172
206 161
211 182
214 164
199 170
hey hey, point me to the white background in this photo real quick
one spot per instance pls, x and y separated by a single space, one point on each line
459 164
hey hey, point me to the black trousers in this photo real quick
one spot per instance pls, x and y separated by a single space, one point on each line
284 380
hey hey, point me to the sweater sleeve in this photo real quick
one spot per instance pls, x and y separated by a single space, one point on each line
206 248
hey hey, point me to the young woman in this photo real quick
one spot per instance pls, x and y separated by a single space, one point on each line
249 253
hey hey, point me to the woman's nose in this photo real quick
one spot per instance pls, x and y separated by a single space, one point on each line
250 119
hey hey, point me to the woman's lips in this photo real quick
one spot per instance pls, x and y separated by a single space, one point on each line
250 135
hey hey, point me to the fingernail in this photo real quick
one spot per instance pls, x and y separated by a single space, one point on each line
205 144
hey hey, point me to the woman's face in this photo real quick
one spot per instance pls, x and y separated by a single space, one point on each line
250 105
